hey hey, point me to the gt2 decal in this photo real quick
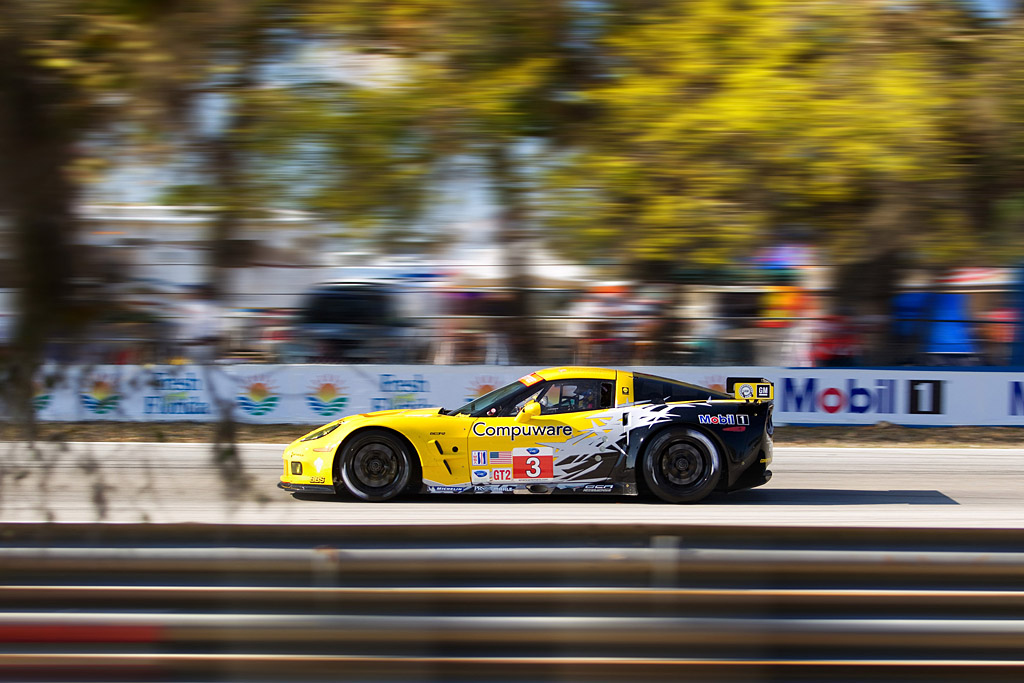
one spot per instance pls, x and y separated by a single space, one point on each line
501 474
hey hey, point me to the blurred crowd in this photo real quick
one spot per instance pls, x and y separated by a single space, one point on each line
615 323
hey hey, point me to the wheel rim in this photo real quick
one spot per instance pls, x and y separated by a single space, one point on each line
375 466
683 464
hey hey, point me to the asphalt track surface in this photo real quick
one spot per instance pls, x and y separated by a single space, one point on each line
133 482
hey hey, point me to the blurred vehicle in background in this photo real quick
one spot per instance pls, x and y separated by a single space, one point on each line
354 322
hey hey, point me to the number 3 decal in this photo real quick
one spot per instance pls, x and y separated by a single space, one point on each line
533 467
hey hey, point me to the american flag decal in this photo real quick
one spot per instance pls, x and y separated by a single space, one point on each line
501 457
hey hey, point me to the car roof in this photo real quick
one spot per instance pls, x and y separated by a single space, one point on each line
575 372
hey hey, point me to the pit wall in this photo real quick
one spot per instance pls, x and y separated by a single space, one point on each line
314 394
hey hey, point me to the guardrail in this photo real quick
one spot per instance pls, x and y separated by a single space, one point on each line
504 602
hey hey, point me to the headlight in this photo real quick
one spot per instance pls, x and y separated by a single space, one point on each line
322 432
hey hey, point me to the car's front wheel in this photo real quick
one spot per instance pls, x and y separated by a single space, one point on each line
375 466
682 466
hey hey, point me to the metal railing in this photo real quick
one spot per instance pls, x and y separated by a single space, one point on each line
501 602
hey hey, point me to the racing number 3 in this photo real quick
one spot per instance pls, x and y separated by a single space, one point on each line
533 467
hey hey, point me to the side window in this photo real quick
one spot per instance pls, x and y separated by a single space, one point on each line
648 390
575 395
657 390
532 396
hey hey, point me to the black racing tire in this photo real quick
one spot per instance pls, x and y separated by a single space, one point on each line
682 466
375 466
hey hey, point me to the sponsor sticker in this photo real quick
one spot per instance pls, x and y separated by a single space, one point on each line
531 379
501 474
479 458
724 419
446 489
747 391
480 476
512 431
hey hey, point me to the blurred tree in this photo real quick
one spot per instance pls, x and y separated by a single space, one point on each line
276 124
68 70
877 124
719 124
496 82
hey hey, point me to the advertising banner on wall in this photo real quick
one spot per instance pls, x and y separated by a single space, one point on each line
315 394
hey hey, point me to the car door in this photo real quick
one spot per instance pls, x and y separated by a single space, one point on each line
557 445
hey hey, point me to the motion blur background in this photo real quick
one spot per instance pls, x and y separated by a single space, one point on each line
798 183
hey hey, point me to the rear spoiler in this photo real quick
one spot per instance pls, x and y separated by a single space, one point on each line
750 388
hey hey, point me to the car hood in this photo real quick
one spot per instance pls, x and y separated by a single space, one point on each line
347 424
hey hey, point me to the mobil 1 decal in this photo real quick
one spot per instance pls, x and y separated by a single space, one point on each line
533 464
725 420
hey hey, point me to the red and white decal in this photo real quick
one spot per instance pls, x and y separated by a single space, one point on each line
533 464
501 474
531 379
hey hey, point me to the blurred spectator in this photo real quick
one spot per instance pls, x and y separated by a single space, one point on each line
837 342
582 314
199 327
474 327
606 325
786 309
996 334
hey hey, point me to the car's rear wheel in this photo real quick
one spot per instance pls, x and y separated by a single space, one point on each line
375 466
682 466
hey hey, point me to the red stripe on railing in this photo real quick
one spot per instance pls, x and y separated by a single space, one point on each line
67 633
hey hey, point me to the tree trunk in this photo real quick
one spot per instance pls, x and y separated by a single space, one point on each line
517 326
37 196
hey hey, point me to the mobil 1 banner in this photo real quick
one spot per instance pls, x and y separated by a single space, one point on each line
312 394
861 398
905 397
915 396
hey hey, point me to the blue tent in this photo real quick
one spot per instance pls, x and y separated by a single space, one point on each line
941 322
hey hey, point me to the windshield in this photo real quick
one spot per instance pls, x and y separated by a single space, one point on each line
485 402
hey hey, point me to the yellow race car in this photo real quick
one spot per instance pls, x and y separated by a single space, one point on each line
569 429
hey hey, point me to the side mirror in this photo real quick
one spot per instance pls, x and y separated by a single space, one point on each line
529 411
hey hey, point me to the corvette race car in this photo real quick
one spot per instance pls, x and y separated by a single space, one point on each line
571 429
